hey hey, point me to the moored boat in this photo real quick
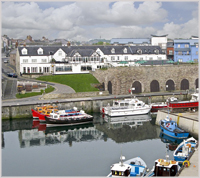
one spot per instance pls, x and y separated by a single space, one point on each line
39 109
184 149
193 103
48 111
164 167
130 168
61 119
126 107
170 128
161 105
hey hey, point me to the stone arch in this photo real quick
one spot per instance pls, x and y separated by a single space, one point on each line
110 87
154 86
197 83
184 84
136 87
170 85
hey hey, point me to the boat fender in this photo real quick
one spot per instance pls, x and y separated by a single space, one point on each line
186 163
175 134
168 125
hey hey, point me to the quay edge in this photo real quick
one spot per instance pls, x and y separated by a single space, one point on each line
22 109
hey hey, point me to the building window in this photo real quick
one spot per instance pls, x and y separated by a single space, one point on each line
25 60
24 51
24 69
139 51
33 69
178 45
150 58
187 52
170 52
156 51
125 50
112 58
112 50
59 53
125 58
34 60
196 52
186 45
44 60
180 60
46 69
180 53
40 51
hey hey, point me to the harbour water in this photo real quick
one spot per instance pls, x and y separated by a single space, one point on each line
31 149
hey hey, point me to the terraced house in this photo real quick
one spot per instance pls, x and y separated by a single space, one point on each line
81 59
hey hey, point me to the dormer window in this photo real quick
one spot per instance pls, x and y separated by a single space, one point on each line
139 51
24 51
156 51
112 50
125 50
40 51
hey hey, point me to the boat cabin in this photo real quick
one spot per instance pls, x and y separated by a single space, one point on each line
120 169
128 103
166 168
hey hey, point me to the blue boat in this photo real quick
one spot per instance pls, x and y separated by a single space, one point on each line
184 149
134 167
170 128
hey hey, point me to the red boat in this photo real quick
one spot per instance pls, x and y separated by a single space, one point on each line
40 109
162 105
193 103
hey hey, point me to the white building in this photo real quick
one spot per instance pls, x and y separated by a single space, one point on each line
81 59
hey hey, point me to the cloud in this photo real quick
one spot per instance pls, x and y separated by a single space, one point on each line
85 20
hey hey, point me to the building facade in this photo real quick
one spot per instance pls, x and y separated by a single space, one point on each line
186 50
81 59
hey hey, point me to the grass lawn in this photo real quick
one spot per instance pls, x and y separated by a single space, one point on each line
79 82
47 90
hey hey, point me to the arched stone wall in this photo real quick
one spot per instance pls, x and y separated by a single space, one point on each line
122 78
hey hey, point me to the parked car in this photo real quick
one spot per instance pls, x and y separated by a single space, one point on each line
14 75
5 60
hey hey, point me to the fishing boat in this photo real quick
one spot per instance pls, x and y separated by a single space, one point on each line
62 119
162 105
184 149
170 128
126 107
130 168
48 111
164 167
39 109
193 103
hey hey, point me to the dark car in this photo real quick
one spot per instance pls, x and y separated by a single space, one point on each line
12 75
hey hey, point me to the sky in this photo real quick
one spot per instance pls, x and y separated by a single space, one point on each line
86 20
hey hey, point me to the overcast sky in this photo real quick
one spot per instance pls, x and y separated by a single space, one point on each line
85 20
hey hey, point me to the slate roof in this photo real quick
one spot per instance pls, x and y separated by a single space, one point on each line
89 50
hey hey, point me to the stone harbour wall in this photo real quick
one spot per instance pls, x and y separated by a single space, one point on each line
122 78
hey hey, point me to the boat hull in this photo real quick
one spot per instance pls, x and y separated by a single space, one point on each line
128 112
35 114
186 104
58 122
177 135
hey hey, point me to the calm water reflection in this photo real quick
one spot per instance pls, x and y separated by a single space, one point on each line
31 149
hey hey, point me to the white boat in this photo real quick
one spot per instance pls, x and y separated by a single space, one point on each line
130 168
184 149
126 107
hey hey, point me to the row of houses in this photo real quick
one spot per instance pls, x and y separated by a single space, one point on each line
69 59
